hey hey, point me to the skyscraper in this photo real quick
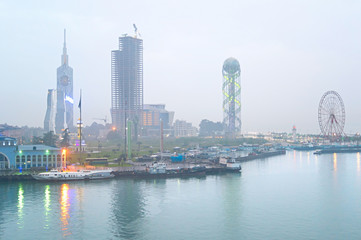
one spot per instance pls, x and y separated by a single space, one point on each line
64 109
231 97
49 121
127 83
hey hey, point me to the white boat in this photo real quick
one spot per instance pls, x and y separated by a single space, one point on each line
157 168
230 164
55 175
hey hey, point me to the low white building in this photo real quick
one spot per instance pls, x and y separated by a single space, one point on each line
184 129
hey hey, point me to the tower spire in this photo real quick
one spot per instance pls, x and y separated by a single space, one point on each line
64 57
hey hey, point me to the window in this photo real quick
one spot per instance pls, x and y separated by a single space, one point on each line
34 162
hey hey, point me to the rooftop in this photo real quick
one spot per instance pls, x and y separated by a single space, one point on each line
38 147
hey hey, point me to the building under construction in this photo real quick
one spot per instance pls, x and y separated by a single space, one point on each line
127 84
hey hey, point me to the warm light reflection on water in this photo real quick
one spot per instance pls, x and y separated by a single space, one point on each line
294 155
335 162
308 158
358 162
20 203
64 206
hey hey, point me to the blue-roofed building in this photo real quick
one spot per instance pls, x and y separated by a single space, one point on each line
13 156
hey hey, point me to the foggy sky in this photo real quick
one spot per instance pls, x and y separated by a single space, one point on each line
290 53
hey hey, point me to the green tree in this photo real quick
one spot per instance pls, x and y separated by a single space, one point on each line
113 135
50 139
209 128
65 142
37 140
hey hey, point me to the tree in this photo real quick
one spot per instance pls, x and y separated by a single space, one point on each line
113 135
209 128
65 142
50 139
37 140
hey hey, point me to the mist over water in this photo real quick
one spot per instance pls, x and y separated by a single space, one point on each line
295 196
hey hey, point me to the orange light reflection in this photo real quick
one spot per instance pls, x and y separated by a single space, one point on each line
64 206
335 162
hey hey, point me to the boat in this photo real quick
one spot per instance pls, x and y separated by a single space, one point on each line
230 164
56 175
157 168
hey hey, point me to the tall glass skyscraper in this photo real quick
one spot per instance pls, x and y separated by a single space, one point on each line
49 121
65 100
127 83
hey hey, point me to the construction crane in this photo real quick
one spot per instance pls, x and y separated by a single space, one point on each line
136 31
103 119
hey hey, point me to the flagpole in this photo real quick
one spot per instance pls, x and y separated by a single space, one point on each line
79 106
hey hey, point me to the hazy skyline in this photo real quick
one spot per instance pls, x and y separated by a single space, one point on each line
290 54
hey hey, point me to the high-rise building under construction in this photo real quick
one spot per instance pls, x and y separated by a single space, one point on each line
127 83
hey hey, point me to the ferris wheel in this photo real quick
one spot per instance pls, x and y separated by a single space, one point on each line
331 115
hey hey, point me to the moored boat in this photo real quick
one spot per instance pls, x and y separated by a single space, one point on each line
55 175
230 164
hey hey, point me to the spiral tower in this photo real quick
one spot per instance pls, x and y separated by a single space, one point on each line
231 96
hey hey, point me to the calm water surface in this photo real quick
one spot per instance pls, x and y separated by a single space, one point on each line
295 196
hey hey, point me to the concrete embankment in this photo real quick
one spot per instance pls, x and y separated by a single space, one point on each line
16 177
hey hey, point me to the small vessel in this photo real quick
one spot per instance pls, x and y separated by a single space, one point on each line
55 175
230 164
157 168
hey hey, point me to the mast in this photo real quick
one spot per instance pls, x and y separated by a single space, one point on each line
125 133
80 123
161 139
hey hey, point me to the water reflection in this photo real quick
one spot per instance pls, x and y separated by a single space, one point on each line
232 203
335 162
127 207
47 205
308 158
64 206
294 155
358 162
20 203
47 200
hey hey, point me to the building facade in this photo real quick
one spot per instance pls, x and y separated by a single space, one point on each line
65 100
231 89
13 156
49 121
153 114
184 129
127 84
